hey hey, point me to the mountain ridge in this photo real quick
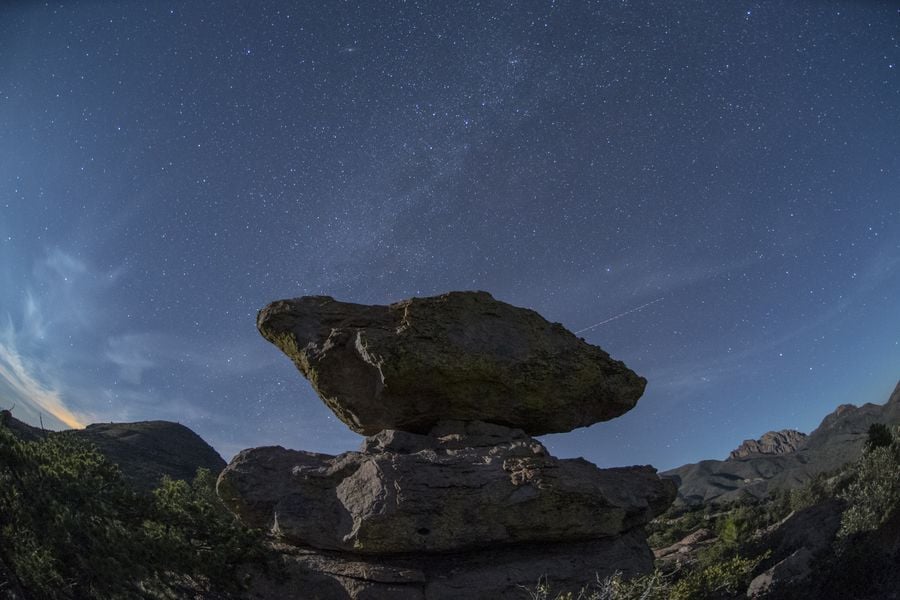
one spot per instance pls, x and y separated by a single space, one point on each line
839 438
144 451
771 442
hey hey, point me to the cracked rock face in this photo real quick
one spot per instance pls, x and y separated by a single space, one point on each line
771 443
460 356
485 574
467 485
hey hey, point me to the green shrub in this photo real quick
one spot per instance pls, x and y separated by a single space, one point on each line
879 436
728 577
815 491
673 526
736 527
71 527
873 494
654 586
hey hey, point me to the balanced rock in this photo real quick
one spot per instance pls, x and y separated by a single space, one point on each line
466 485
459 356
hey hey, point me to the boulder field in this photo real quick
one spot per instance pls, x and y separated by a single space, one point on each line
449 495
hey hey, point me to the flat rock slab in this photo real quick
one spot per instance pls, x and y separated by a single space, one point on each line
486 574
415 493
460 356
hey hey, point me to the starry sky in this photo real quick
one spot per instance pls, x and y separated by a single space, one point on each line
713 185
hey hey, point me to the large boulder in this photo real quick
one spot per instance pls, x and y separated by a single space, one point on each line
460 356
466 485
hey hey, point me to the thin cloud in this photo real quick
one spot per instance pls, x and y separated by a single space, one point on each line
23 387
129 354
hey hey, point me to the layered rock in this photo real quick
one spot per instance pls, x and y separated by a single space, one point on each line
685 550
486 574
772 442
449 495
416 493
461 356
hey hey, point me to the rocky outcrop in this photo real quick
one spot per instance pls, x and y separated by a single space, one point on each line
794 543
427 493
839 439
773 442
684 551
492 573
449 495
462 356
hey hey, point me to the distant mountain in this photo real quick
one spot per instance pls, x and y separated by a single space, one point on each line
838 439
773 442
147 450
144 451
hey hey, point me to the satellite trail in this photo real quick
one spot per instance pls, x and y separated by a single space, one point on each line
619 316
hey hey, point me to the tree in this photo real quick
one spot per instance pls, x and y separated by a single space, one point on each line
879 436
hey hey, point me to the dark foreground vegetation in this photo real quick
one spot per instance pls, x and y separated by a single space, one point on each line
71 527
838 536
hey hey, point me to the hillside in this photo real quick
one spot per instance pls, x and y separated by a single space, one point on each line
838 439
115 511
144 451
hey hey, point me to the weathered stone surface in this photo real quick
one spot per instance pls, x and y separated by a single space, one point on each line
772 442
792 569
460 356
485 574
685 550
793 543
465 486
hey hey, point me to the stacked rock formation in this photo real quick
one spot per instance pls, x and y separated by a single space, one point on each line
449 495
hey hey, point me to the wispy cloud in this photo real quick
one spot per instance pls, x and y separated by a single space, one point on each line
58 305
129 354
21 387
69 354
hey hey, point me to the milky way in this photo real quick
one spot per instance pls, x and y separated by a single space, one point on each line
168 168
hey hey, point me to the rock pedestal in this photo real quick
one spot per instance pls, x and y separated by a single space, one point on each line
449 496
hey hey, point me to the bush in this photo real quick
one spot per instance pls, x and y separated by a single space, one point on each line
873 494
672 526
712 581
879 436
814 492
71 527
725 578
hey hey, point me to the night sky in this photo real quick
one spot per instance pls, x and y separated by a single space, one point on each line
715 184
